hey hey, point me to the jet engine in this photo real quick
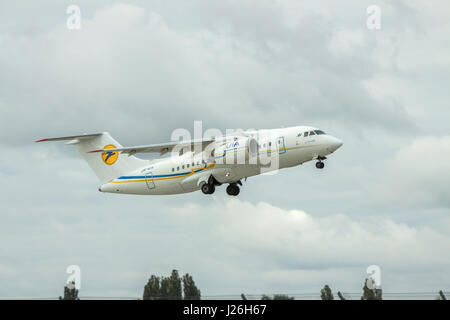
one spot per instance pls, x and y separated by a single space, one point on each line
241 150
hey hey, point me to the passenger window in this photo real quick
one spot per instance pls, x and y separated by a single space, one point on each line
305 134
182 166
193 164
311 133
187 166
173 169
178 168
270 144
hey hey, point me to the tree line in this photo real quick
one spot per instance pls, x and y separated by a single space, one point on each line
171 288
175 287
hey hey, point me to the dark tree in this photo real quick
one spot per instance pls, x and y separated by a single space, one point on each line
341 296
370 292
70 292
282 297
171 288
174 292
164 289
152 290
326 294
191 292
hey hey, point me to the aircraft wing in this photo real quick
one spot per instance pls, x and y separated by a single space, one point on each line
161 148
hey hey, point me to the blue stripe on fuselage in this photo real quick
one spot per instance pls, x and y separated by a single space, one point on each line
159 176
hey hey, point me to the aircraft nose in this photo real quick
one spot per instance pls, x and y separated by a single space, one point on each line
334 144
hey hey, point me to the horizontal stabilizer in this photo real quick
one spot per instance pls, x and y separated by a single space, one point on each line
83 136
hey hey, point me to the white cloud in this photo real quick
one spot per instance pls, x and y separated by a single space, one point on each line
417 175
346 42
127 62
286 247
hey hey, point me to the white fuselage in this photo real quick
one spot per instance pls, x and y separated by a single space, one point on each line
185 173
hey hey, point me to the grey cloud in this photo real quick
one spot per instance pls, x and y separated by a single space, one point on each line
140 71
127 62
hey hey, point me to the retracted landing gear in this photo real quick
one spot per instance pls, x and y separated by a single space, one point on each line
233 189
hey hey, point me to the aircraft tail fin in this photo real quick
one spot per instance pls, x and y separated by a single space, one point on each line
106 165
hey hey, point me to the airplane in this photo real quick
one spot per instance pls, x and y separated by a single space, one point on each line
200 164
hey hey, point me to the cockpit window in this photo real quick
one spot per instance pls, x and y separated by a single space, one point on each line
319 132
305 134
311 133
299 135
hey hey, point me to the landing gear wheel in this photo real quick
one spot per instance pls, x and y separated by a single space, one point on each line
208 188
320 165
233 189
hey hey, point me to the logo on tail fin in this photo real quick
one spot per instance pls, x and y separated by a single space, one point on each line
110 157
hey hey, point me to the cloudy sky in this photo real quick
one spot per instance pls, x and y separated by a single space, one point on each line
140 69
